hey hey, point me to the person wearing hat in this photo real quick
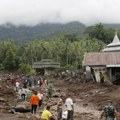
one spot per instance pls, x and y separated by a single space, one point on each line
109 112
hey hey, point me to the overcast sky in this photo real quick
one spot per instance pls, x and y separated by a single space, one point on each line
32 12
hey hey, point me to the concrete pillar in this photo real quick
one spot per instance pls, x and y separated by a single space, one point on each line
110 73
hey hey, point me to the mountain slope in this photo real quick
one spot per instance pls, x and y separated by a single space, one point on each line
114 26
22 34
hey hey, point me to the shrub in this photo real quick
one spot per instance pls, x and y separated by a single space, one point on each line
26 69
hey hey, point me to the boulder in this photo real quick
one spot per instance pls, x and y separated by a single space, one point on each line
2 100
23 107
56 94
1 107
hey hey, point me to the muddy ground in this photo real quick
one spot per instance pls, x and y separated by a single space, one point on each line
89 99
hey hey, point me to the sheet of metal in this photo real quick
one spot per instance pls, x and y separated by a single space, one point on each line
97 59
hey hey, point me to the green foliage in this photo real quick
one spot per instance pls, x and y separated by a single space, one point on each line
1 67
69 36
26 69
64 68
67 52
67 48
101 33
10 60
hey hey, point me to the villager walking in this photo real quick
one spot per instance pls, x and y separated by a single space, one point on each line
40 95
59 109
22 93
70 107
109 112
17 84
34 102
50 90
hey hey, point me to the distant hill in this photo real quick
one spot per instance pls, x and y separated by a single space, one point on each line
115 26
22 34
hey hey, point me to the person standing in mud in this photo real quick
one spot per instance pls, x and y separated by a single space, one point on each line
25 82
50 90
40 98
34 102
17 84
109 112
23 94
70 107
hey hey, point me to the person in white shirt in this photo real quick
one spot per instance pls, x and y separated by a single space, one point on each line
17 84
40 98
70 107
22 93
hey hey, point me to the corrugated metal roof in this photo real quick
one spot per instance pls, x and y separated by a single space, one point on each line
105 58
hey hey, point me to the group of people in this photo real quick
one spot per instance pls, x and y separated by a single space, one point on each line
35 102
62 114
65 107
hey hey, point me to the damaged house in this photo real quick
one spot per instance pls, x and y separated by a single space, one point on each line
45 66
104 65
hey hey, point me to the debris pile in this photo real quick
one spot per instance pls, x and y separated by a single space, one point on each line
7 98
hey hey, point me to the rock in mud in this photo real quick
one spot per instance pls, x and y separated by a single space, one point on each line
2 100
23 107
56 95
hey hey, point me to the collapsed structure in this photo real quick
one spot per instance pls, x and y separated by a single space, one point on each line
104 65
45 66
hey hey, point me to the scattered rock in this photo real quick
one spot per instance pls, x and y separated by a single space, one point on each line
85 105
2 100
56 95
23 107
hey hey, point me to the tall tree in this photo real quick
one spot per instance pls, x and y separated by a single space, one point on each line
101 33
10 60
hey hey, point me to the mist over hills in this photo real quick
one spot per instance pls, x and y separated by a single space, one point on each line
22 34
115 26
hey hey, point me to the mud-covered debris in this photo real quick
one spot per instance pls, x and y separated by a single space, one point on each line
2 100
23 107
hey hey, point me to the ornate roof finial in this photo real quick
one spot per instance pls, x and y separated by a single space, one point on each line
116 31
114 45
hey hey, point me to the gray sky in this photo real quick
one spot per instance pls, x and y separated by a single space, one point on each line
32 12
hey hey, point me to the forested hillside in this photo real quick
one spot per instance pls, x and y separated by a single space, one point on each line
66 44
68 53
23 34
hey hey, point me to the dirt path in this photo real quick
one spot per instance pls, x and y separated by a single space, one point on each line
88 99
85 112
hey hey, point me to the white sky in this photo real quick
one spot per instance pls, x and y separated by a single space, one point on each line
32 12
